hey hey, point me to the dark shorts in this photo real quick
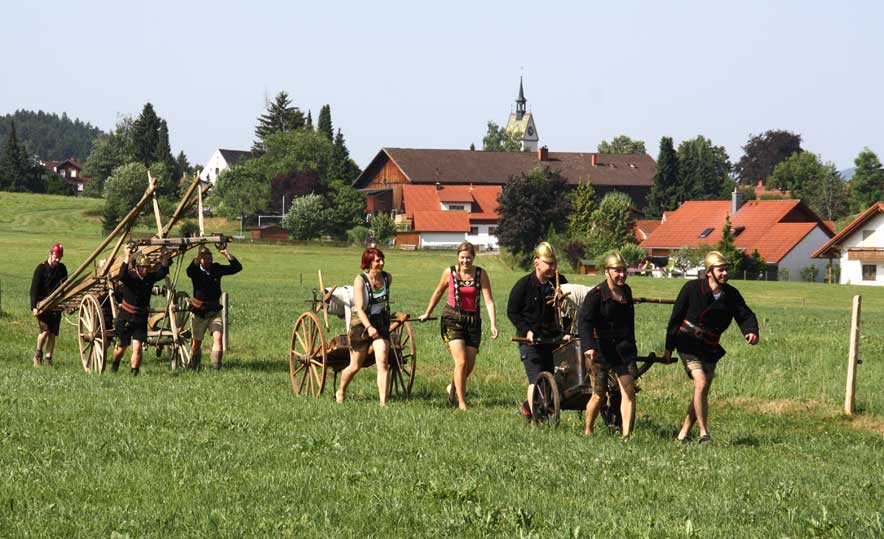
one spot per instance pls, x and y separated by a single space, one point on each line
537 358
461 325
129 329
617 357
49 322
359 339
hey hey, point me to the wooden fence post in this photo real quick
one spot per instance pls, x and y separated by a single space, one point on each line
852 356
225 310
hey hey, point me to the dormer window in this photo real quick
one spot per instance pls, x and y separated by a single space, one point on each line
738 230
706 232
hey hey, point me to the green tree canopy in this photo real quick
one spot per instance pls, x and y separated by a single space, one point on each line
764 152
241 191
122 190
345 209
146 135
110 151
17 172
613 224
498 140
585 202
621 145
867 184
342 167
324 124
305 220
49 136
664 192
528 205
818 185
703 170
281 117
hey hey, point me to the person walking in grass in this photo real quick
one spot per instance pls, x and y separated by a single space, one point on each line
461 322
532 310
607 334
370 323
131 324
702 312
205 304
47 277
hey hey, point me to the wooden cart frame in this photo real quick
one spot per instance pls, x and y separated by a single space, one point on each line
312 355
90 289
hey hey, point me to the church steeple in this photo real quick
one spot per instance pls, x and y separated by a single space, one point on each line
520 101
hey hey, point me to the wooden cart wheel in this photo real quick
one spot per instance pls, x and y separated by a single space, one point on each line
308 356
402 360
179 353
92 334
543 399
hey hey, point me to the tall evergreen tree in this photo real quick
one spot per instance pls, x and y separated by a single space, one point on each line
867 184
324 124
702 170
584 202
163 151
281 117
309 122
183 164
16 171
146 135
49 136
343 168
664 192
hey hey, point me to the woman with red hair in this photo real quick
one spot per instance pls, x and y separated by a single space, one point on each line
370 323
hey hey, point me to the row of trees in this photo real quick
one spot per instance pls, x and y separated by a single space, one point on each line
18 172
309 167
49 137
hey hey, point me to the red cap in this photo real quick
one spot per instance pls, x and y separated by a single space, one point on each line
57 250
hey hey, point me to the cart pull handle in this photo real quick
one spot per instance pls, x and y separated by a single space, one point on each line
654 300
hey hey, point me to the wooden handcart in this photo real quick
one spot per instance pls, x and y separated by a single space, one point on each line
90 290
312 355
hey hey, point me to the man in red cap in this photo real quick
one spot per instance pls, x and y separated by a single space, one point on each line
47 277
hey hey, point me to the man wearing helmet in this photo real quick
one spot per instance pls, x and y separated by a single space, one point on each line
607 336
702 312
534 316
47 277
205 304
131 324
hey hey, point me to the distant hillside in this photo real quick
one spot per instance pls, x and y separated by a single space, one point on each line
847 174
49 136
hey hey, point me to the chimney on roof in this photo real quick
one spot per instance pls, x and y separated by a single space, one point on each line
736 200
595 159
543 154
438 186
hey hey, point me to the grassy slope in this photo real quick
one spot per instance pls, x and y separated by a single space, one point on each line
236 454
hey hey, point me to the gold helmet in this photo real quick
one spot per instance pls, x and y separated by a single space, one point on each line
714 258
545 252
140 260
614 260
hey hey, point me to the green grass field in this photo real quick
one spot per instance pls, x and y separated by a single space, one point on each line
236 454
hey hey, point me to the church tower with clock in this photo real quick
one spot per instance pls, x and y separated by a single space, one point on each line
522 122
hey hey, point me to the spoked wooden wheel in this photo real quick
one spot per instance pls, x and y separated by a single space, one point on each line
92 334
179 319
402 359
543 399
307 356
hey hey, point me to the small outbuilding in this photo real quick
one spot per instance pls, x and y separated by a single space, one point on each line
270 233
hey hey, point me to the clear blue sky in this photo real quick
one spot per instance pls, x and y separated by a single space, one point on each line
430 75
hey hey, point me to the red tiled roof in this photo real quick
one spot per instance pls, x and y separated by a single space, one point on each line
441 221
643 227
454 193
483 199
429 166
761 190
833 245
773 227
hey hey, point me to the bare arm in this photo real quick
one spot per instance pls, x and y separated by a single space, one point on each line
489 303
437 294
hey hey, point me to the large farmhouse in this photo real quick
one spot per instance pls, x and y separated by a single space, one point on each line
785 232
859 248
71 171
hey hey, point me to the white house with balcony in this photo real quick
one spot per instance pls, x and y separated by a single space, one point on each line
859 249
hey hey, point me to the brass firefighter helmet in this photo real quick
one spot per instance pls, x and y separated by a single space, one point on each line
714 258
545 252
139 259
615 260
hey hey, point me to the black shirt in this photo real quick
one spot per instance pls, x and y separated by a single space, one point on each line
697 305
207 284
528 310
603 318
46 280
135 290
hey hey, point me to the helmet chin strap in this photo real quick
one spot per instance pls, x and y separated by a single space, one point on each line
714 278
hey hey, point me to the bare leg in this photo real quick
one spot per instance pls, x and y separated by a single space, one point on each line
356 360
464 361
592 411
136 354
217 350
50 345
119 351
627 403
697 409
380 360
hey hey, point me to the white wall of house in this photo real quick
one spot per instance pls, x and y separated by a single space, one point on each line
441 239
871 234
214 166
463 206
799 257
483 239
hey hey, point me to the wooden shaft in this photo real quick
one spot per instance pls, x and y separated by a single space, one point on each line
185 204
850 390
225 311
654 300
200 207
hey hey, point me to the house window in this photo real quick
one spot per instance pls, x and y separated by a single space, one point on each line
706 232
869 272
738 230
453 207
73 173
492 230
474 231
